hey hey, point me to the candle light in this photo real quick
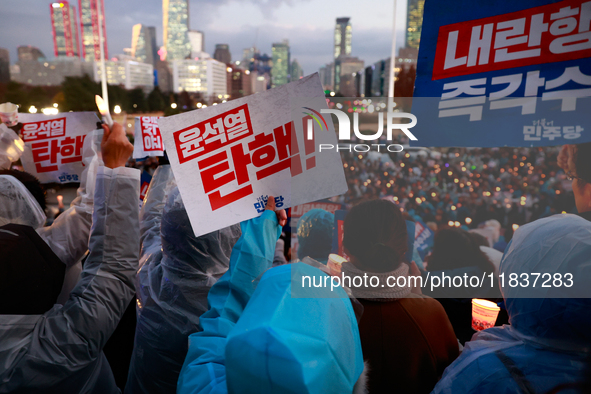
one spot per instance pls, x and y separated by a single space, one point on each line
334 264
104 110
484 314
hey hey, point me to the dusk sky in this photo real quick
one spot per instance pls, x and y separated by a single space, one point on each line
307 24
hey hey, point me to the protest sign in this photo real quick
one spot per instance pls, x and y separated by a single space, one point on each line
511 73
424 238
228 158
338 233
53 144
147 139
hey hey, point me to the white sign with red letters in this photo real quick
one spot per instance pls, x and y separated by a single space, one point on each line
53 144
148 141
227 159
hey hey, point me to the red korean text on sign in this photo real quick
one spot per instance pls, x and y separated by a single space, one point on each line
551 33
50 146
151 137
213 134
268 153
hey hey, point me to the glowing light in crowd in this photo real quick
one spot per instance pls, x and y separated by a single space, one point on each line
457 224
49 111
117 109
103 109
515 227
453 207
468 220
450 223
433 194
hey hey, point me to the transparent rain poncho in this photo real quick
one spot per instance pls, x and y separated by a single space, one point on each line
548 340
176 272
17 204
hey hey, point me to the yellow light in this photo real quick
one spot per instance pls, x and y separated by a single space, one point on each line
453 207
433 194
117 109
457 224
401 164
32 109
515 227
173 105
450 223
449 173
456 180
468 220
55 105
395 198
418 200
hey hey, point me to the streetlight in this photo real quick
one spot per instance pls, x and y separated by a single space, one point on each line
173 105
32 109
54 105
117 109
332 94
199 105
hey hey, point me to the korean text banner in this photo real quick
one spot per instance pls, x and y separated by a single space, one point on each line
227 159
147 139
53 144
504 73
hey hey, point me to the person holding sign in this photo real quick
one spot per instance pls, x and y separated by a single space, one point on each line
257 338
49 347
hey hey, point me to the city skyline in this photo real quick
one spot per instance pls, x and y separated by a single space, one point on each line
310 34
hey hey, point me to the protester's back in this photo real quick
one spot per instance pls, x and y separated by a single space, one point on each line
177 271
548 340
406 337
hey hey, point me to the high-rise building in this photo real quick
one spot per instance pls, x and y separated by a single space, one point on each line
238 81
326 74
176 28
143 44
414 22
342 37
28 53
345 66
44 72
248 57
296 70
64 26
163 76
4 66
204 76
129 73
197 40
222 53
89 22
281 63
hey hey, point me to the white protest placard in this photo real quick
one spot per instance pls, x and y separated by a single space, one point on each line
227 159
53 144
147 138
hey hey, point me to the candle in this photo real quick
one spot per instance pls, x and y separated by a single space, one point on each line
104 110
334 264
484 314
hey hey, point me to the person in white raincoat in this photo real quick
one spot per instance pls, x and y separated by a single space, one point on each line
60 350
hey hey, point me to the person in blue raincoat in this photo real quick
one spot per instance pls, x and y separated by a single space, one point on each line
264 339
548 341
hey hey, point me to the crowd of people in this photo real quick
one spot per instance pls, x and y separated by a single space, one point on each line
223 312
467 185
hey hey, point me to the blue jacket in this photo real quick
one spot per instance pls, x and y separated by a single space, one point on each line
260 339
548 341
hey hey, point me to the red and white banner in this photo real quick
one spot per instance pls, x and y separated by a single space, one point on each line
147 138
227 159
53 144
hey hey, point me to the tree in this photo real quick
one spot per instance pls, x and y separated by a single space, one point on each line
79 93
137 100
156 100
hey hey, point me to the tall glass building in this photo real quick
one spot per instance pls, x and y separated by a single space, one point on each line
89 22
64 26
176 27
342 37
281 63
414 22
143 44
